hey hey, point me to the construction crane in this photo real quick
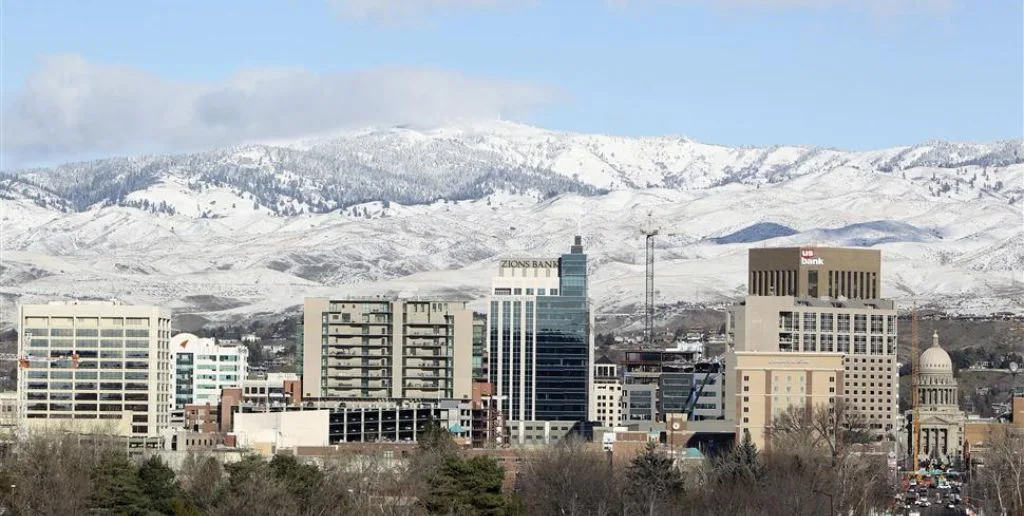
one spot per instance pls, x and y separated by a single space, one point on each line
650 230
915 379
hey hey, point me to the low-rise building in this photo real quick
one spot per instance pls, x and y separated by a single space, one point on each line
760 386
282 429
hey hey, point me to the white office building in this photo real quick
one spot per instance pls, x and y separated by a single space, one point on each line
607 393
95 367
201 368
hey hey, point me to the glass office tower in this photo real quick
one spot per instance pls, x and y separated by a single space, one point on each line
540 338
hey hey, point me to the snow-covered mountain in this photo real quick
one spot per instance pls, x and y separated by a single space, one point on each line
253 229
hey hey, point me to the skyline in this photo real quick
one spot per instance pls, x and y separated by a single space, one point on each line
125 78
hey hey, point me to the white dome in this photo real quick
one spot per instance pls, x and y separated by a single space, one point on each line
935 360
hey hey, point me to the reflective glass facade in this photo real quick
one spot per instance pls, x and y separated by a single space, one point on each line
563 358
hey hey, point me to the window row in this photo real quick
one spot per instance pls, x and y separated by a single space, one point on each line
827 322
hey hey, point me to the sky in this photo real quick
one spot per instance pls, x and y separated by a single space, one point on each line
92 79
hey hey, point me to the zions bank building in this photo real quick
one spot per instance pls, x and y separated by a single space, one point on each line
541 344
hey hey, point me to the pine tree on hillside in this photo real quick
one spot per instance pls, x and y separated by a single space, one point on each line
116 488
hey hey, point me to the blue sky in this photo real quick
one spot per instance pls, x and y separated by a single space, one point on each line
113 77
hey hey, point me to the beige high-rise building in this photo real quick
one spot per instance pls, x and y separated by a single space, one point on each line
831 272
761 385
862 331
95 366
379 348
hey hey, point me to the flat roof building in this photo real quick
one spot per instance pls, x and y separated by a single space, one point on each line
607 393
202 368
815 272
95 366
863 332
541 343
760 386
378 348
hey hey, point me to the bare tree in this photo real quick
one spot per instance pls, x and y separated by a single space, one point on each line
571 479
1001 480
201 477
49 472
823 441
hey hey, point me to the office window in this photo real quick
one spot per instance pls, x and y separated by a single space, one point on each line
876 323
843 343
812 283
826 342
860 323
810 321
860 344
809 343
876 345
827 322
843 321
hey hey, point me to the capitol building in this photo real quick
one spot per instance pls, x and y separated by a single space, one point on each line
941 420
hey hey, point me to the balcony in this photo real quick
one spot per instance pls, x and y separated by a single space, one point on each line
365 342
415 374
426 365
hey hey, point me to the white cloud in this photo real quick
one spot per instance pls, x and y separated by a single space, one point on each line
69 106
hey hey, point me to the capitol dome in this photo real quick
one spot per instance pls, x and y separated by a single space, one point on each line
935 360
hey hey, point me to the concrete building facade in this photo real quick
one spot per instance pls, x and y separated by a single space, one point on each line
607 393
541 343
378 349
864 332
95 366
639 404
762 385
815 272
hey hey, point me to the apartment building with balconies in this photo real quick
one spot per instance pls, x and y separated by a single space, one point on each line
384 349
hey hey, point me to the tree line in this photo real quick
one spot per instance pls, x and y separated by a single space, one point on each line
814 467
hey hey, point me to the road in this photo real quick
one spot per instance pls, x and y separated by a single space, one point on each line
937 508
